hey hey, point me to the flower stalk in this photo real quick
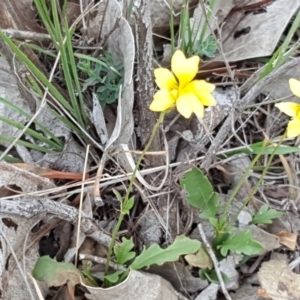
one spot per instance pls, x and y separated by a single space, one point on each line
123 212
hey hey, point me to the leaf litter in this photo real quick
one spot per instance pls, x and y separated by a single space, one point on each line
165 213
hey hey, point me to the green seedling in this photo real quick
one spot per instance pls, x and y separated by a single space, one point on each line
104 76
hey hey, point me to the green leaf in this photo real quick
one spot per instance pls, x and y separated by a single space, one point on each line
211 276
241 242
114 277
118 195
265 215
200 193
123 251
55 273
128 205
207 48
156 255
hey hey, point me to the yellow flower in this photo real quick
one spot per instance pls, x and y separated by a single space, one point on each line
292 109
178 87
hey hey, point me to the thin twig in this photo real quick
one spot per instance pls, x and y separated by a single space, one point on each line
13 253
102 261
80 204
29 208
26 35
97 192
215 262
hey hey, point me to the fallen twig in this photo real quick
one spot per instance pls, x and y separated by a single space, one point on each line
29 208
215 262
101 260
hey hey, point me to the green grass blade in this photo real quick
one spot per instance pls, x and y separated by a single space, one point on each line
31 132
44 80
41 50
282 54
209 14
10 159
65 64
74 72
26 144
46 131
42 9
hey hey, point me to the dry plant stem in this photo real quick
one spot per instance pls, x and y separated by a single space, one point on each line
29 208
129 189
241 104
102 261
27 35
287 168
215 262
36 286
104 182
17 262
97 192
80 204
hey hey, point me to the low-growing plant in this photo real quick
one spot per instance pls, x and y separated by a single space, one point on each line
104 75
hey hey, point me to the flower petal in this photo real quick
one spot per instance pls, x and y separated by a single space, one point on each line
187 104
202 90
183 107
185 69
162 100
201 86
295 86
293 128
289 108
165 79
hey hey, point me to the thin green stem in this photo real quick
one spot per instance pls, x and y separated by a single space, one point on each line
123 213
156 126
113 239
241 182
257 185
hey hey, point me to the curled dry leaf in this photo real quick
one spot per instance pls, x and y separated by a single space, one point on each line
200 259
138 285
288 239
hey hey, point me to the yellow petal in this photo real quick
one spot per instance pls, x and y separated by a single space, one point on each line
201 86
289 108
183 107
165 79
293 128
162 100
207 99
295 86
202 90
187 104
185 69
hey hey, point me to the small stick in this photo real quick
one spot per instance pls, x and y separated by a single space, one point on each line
102 261
215 261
